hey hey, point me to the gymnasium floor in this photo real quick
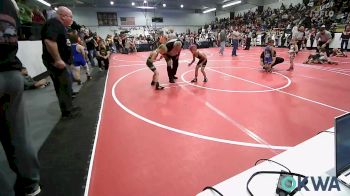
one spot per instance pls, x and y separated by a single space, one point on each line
188 136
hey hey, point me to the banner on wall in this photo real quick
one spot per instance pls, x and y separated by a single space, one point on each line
327 5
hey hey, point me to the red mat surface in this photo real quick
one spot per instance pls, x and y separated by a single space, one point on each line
186 137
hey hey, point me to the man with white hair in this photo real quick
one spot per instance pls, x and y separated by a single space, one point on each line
171 35
56 57
14 133
174 47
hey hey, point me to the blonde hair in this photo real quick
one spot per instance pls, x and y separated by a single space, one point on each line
178 43
162 47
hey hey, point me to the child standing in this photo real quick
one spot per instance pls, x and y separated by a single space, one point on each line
293 49
162 49
79 56
201 63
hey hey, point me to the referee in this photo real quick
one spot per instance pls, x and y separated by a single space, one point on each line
174 47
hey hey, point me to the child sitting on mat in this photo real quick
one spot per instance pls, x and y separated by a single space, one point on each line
201 63
162 49
269 58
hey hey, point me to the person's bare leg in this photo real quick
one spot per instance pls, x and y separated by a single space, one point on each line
204 74
291 68
155 78
195 75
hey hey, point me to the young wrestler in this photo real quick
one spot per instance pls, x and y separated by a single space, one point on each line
338 53
268 58
313 59
201 63
162 49
293 49
324 59
79 58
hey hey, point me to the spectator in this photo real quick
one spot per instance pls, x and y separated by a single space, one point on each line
235 38
14 133
171 35
38 20
222 40
25 18
38 17
248 39
30 83
345 38
117 43
103 54
56 56
132 44
312 36
254 36
90 46
50 13
299 36
263 38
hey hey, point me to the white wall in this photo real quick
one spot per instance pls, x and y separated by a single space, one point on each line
223 14
180 20
277 4
29 52
244 8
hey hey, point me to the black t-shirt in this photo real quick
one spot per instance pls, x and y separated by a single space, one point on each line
116 41
345 37
89 44
123 42
55 31
170 44
8 37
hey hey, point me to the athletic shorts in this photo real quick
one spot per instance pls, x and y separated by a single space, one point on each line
79 63
150 65
204 64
